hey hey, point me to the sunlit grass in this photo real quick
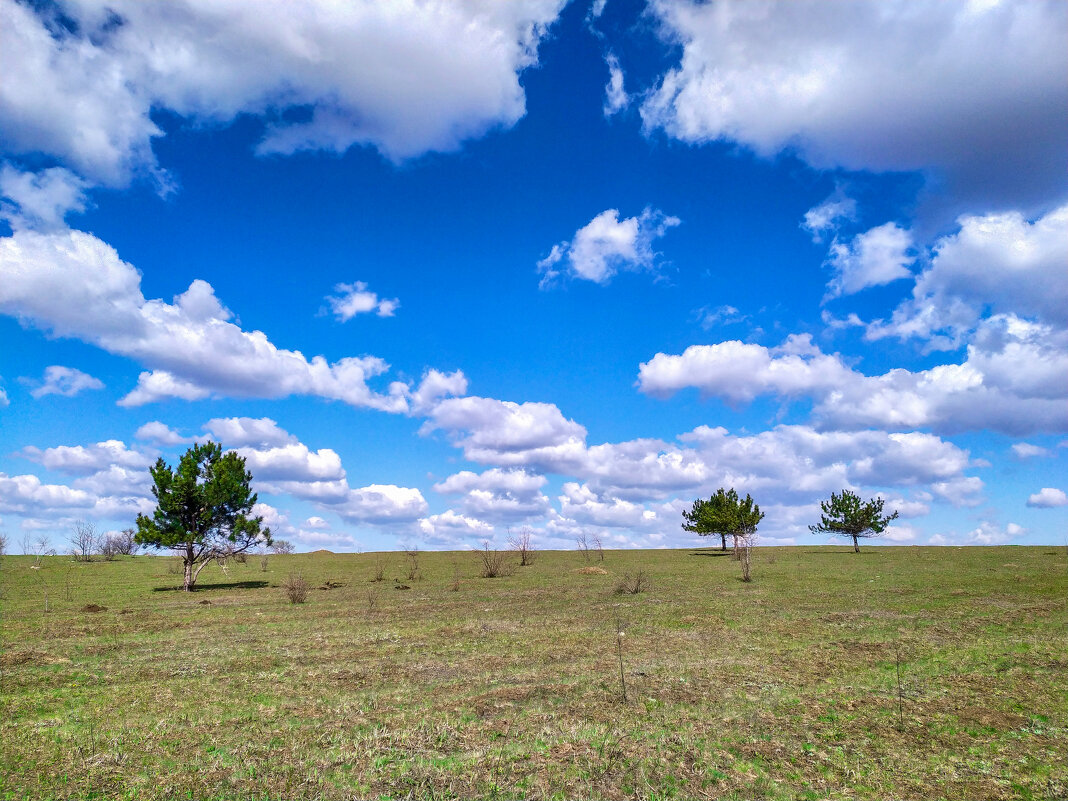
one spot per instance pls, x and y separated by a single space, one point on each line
509 687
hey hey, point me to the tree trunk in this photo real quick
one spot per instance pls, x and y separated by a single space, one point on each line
856 545
188 573
737 555
723 535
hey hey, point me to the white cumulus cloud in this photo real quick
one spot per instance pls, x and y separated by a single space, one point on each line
606 245
1048 498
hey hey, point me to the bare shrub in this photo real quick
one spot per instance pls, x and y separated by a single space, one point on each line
263 560
599 547
108 547
83 541
633 583
372 601
411 557
744 549
282 547
494 563
522 543
378 569
583 543
296 588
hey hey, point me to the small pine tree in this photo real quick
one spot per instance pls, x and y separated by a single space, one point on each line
845 515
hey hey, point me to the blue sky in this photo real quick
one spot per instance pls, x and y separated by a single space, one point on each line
440 271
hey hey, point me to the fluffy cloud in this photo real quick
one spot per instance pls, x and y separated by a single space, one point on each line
65 381
74 285
353 299
161 434
496 494
998 262
238 432
1011 381
507 433
84 93
739 372
974 91
1048 498
873 258
21 494
451 527
382 504
606 245
85 459
825 218
1025 450
40 200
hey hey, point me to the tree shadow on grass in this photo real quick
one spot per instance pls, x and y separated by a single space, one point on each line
232 585
710 552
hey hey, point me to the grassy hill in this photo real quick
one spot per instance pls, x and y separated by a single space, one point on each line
893 673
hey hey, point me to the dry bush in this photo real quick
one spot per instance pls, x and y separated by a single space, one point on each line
411 556
378 572
583 543
633 583
522 543
494 563
599 547
282 547
83 541
744 549
372 601
296 588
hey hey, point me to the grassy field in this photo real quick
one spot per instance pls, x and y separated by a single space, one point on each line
893 673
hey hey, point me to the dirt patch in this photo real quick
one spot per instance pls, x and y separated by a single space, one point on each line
29 657
94 608
592 571
204 603
331 585
402 587
1002 721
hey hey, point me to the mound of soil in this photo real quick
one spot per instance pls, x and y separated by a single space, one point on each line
402 587
204 603
331 585
592 571
321 552
94 608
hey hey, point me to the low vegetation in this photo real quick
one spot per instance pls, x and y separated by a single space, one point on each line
906 673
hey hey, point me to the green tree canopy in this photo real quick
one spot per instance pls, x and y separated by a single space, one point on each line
202 509
845 515
724 514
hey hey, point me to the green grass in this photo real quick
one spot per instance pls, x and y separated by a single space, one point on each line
509 688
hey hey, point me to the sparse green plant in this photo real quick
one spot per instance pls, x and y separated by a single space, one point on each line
846 515
296 588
